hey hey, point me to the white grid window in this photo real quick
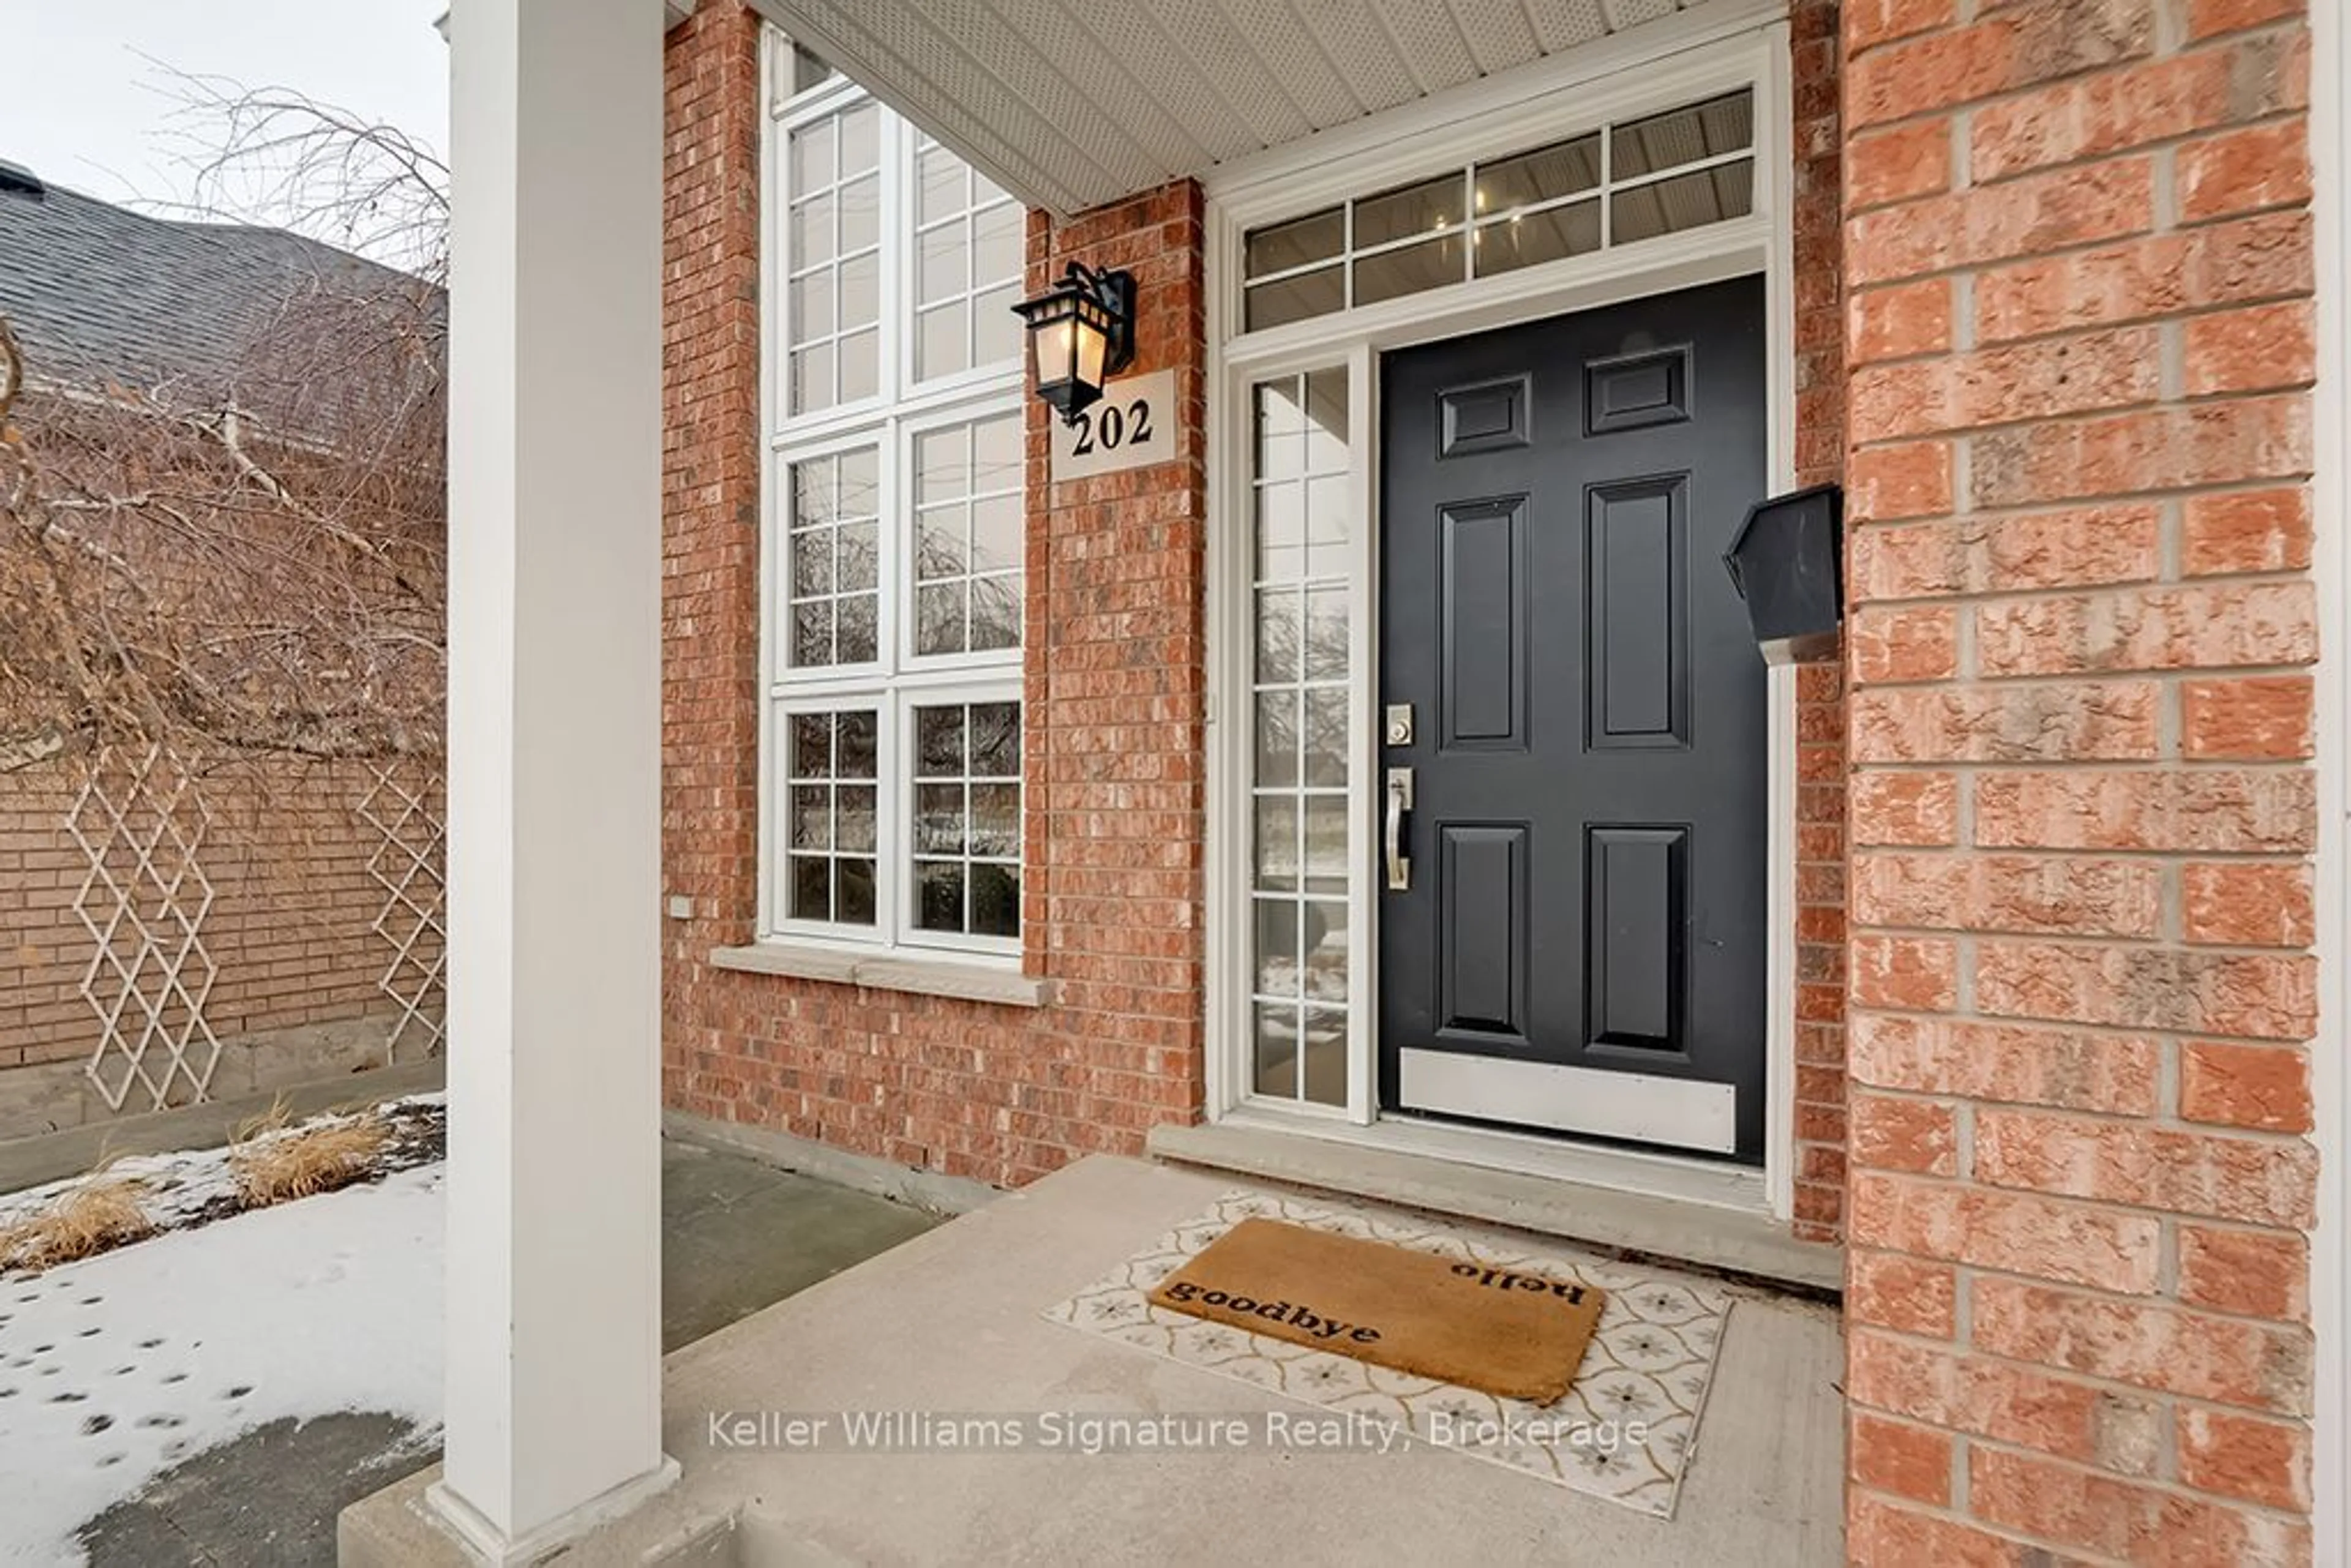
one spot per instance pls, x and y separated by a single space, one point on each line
968 240
896 533
968 526
833 563
1616 185
1298 879
832 245
967 819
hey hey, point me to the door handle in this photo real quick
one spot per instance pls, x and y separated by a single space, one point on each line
1399 794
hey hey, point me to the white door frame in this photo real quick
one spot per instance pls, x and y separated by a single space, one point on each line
1657 67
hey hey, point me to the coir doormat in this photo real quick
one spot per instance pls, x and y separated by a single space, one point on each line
1626 1430
1505 1332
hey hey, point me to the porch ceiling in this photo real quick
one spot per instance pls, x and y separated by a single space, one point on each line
1070 106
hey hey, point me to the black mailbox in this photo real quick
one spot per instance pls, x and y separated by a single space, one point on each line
1787 563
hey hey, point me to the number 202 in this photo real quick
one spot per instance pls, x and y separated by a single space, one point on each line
1113 427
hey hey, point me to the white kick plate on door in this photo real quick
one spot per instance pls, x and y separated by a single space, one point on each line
1675 1112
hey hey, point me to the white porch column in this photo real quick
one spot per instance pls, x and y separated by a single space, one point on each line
554 1192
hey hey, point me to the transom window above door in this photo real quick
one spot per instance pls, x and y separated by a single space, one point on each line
1616 185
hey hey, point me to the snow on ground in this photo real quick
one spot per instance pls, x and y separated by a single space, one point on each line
189 1185
116 1368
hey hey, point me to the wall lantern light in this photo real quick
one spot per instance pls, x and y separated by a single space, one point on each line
1787 563
1082 330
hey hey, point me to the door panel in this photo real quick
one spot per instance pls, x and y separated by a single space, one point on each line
1586 913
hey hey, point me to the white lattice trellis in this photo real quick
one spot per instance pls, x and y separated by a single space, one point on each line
408 866
144 903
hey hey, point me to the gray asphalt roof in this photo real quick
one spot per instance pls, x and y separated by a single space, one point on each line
99 294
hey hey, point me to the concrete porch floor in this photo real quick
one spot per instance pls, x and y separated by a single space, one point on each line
949 1324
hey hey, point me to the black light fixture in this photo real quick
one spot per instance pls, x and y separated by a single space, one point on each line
1083 332
1787 562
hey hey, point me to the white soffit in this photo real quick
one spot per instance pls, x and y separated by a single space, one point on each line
1070 105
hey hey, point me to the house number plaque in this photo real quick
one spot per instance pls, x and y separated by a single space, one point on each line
1133 426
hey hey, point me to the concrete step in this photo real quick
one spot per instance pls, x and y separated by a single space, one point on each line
1741 1243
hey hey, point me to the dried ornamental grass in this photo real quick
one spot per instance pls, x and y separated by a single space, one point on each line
275 1166
84 1221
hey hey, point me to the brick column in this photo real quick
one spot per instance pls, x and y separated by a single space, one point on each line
2078 256
1116 674
1818 233
711 456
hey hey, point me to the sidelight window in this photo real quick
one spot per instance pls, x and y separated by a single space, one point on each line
1303 943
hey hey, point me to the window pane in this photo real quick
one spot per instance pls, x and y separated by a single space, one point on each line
995 740
860 366
939 544
1281 247
1295 298
829 872
938 820
811 156
1683 202
1545 174
938 896
1415 267
856 737
853 817
1571 230
995 608
861 139
812 561
860 215
812 633
996 245
942 346
939 185
996 530
939 625
995 825
811 307
1277 1050
1707 129
811 817
1324 736
857 639
855 885
811 377
941 265
1277 739
812 888
995 900
855 566
1430 207
811 232
1277 968
812 745
963 820
996 454
942 459
938 742
996 330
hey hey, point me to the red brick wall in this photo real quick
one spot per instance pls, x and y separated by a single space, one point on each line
289 928
1818 230
1114 684
2077 249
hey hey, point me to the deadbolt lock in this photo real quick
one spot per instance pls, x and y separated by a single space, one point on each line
1399 724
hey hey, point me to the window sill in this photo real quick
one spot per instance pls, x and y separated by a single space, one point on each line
966 982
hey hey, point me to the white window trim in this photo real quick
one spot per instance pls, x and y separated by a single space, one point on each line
1618 80
896 681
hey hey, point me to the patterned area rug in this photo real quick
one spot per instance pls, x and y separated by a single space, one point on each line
1625 1429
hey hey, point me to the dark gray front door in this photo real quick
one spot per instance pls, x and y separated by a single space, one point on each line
1582 944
